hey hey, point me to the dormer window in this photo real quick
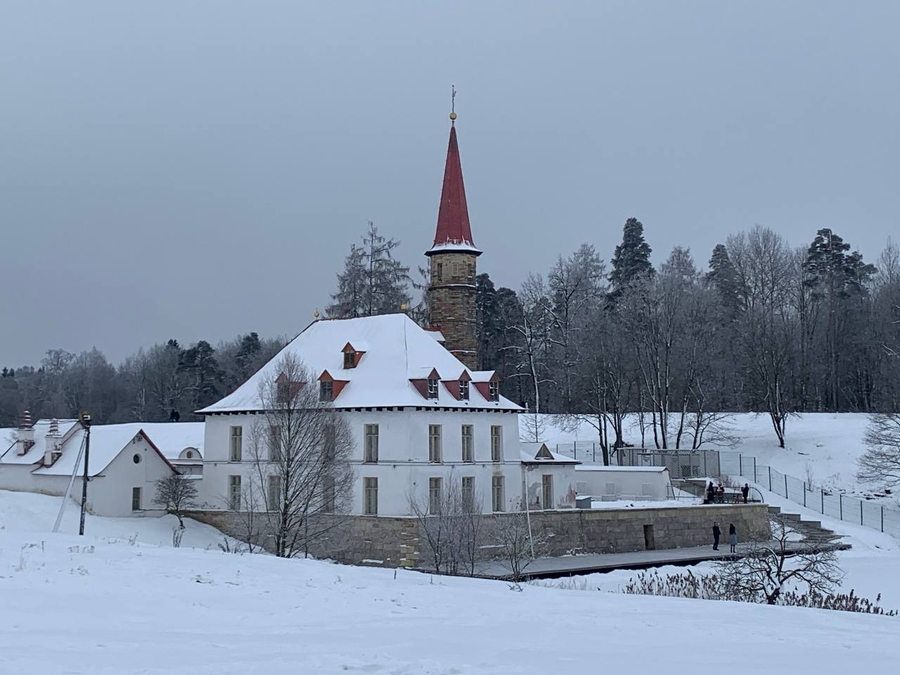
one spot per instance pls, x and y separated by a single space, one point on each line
326 390
463 390
284 392
349 360
432 389
494 391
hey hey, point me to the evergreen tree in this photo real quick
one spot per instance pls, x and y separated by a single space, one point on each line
486 328
836 277
631 260
723 277
373 281
204 376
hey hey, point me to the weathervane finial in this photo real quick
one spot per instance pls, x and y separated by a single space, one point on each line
452 105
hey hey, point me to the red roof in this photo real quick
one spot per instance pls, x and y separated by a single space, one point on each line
453 217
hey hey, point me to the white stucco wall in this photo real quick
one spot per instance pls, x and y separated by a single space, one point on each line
403 467
563 481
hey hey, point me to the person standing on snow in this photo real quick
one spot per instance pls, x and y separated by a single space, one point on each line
716 534
732 536
745 491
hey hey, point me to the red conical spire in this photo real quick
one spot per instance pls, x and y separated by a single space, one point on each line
453 229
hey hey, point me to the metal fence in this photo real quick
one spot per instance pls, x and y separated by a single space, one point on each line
715 464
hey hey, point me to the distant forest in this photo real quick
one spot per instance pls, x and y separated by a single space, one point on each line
760 327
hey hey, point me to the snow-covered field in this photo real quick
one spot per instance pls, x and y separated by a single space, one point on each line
108 603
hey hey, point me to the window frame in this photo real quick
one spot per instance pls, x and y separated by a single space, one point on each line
435 495
464 390
497 496
370 450
236 443
493 391
467 493
435 442
467 440
433 389
137 498
496 443
275 454
547 491
234 497
370 496
326 391
274 481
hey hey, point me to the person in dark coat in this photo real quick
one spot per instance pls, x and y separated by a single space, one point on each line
732 536
745 491
710 493
716 534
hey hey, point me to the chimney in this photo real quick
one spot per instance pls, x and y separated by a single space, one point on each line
52 444
25 434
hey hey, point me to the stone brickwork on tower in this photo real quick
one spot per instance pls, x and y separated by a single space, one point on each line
452 303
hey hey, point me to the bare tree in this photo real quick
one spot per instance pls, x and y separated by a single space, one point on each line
177 494
451 524
300 449
515 543
880 464
766 568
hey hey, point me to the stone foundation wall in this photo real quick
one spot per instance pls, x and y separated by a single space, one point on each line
395 542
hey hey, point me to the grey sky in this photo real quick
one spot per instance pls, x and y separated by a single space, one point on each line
197 170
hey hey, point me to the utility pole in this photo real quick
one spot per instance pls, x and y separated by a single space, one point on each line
85 419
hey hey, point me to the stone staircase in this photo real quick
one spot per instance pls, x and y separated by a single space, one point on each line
811 530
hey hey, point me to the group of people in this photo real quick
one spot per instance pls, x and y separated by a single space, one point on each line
716 495
732 536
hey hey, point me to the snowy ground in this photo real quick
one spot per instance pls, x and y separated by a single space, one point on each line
871 566
104 605
820 447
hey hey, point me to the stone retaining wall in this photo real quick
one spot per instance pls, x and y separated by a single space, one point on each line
395 542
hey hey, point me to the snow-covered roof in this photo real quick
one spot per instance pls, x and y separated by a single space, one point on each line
539 453
107 441
451 246
623 469
398 350
8 450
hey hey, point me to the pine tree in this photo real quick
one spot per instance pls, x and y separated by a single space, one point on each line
373 281
723 277
631 260
486 328
835 277
200 366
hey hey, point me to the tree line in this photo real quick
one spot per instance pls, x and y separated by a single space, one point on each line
165 382
762 327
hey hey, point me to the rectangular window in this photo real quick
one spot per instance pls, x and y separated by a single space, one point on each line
463 390
497 493
329 443
434 496
275 498
370 496
468 494
136 499
432 389
547 491
275 443
494 391
326 390
456 270
468 448
434 443
234 493
237 444
440 271
349 360
328 498
371 445
496 443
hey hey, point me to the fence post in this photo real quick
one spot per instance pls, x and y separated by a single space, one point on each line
822 495
841 504
754 471
705 468
740 464
594 455
861 517
882 519
804 495
785 487
770 479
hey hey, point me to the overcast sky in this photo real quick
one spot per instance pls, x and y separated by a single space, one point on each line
199 169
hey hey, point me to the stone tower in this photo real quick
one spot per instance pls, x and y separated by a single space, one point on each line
451 293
